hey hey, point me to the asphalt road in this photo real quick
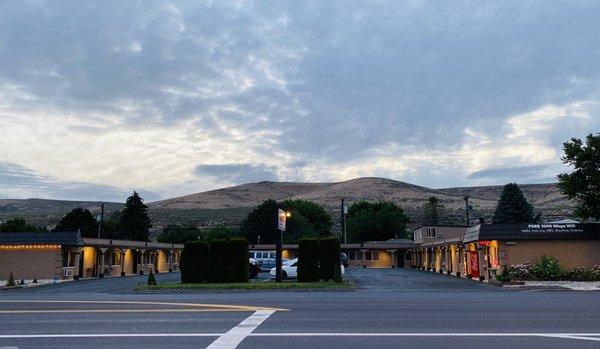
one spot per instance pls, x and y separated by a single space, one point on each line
390 309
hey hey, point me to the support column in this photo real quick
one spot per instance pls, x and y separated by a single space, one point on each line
122 251
102 252
170 256
142 264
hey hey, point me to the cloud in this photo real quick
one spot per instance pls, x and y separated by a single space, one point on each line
238 173
130 94
537 173
20 182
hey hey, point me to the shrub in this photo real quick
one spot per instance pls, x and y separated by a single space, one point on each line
520 271
504 275
329 259
11 280
596 271
308 260
194 262
238 268
579 274
548 268
151 279
217 268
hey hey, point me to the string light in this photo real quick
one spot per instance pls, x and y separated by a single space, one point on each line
30 247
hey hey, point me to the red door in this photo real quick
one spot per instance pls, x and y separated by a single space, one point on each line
474 262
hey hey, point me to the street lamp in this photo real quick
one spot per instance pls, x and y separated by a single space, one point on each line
281 220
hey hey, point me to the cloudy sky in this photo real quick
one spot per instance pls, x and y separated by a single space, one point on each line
170 98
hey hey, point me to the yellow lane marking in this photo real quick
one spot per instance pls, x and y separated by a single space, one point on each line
42 311
194 305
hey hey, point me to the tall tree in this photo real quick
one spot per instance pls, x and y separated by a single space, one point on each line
583 184
262 221
18 225
79 219
134 223
513 207
308 219
376 221
432 210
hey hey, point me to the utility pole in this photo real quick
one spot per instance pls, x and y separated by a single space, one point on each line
101 221
467 209
344 212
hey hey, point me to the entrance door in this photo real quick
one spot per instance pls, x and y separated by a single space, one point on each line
134 258
474 263
80 273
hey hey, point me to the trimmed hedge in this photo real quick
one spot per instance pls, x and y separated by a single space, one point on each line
238 268
218 257
194 261
329 257
308 260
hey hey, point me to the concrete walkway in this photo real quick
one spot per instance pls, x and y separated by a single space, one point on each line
408 279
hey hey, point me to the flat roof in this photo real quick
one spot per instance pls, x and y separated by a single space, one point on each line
542 231
63 238
73 238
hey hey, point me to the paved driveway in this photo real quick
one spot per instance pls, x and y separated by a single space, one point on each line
408 279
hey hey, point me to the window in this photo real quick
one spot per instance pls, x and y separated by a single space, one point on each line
430 232
354 255
68 259
375 255
251 254
272 255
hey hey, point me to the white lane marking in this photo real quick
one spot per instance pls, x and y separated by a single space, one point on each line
578 336
107 335
236 335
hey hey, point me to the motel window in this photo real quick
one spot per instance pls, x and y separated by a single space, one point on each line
354 255
430 232
68 259
372 256
115 258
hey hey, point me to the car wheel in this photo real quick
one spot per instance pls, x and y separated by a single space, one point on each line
283 274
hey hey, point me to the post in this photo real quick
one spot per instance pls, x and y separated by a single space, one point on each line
343 216
278 256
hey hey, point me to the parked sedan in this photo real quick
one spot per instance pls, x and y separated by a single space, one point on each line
290 269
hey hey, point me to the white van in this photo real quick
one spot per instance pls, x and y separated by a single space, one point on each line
265 258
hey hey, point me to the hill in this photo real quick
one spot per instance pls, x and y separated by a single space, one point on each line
228 206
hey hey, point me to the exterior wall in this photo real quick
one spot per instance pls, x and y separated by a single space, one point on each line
163 261
571 253
128 262
89 261
31 264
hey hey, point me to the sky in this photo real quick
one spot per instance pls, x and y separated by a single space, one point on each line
100 98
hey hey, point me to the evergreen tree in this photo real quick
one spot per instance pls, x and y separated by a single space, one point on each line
513 207
134 223
432 210
583 184
79 219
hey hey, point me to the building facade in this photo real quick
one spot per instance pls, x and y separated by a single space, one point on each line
66 255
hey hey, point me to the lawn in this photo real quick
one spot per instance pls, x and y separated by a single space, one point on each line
251 286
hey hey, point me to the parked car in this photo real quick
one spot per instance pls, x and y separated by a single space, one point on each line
290 270
254 268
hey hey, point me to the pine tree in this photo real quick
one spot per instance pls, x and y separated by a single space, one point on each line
151 279
513 207
134 223
432 210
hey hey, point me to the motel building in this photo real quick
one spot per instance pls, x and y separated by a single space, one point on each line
373 254
479 252
67 255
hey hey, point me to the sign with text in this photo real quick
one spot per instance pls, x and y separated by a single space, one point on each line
474 262
281 219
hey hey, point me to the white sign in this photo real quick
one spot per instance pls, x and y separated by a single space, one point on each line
281 219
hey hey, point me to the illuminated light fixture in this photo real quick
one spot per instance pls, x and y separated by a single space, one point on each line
30 247
288 214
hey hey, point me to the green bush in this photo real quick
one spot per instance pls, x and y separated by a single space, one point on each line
238 269
219 259
329 259
151 279
504 275
308 260
194 262
579 274
548 268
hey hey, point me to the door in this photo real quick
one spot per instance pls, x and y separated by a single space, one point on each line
474 263
134 258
